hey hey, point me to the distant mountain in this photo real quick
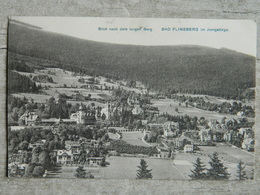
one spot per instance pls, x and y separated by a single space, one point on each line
193 69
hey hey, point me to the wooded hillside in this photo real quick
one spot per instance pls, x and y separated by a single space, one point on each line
192 69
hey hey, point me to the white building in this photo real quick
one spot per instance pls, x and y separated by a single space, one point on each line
188 148
78 116
64 156
29 118
106 111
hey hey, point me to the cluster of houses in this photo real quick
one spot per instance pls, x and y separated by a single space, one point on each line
68 156
71 154
214 133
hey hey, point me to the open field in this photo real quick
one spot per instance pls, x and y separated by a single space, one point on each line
125 168
230 156
184 163
70 91
229 153
37 98
168 106
134 138
113 136
59 77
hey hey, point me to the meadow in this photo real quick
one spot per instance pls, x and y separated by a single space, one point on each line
169 106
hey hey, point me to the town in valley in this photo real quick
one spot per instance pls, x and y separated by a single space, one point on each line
68 121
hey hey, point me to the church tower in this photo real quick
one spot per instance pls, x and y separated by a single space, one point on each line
80 115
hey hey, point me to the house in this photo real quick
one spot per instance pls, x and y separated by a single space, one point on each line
74 146
212 123
246 132
205 135
181 141
30 118
90 144
16 169
170 129
188 148
229 136
94 160
248 144
137 110
144 122
163 153
64 157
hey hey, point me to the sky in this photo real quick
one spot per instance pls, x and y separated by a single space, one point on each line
239 35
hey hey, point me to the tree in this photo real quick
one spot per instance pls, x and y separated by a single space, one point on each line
241 174
198 172
143 172
29 170
38 171
23 145
217 169
103 162
103 117
81 173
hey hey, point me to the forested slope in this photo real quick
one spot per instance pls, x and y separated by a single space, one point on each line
194 69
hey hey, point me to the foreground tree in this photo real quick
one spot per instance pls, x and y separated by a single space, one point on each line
198 172
143 172
217 170
241 173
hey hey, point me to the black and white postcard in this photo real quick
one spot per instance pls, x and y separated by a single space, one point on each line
131 98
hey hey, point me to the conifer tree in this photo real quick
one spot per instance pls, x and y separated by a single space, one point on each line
81 173
198 172
143 172
217 170
241 174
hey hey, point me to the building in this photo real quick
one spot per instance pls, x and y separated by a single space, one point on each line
248 144
163 153
188 148
16 169
74 146
170 129
94 160
106 111
64 157
246 132
205 135
79 116
56 121
30 118
137 110
181 141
